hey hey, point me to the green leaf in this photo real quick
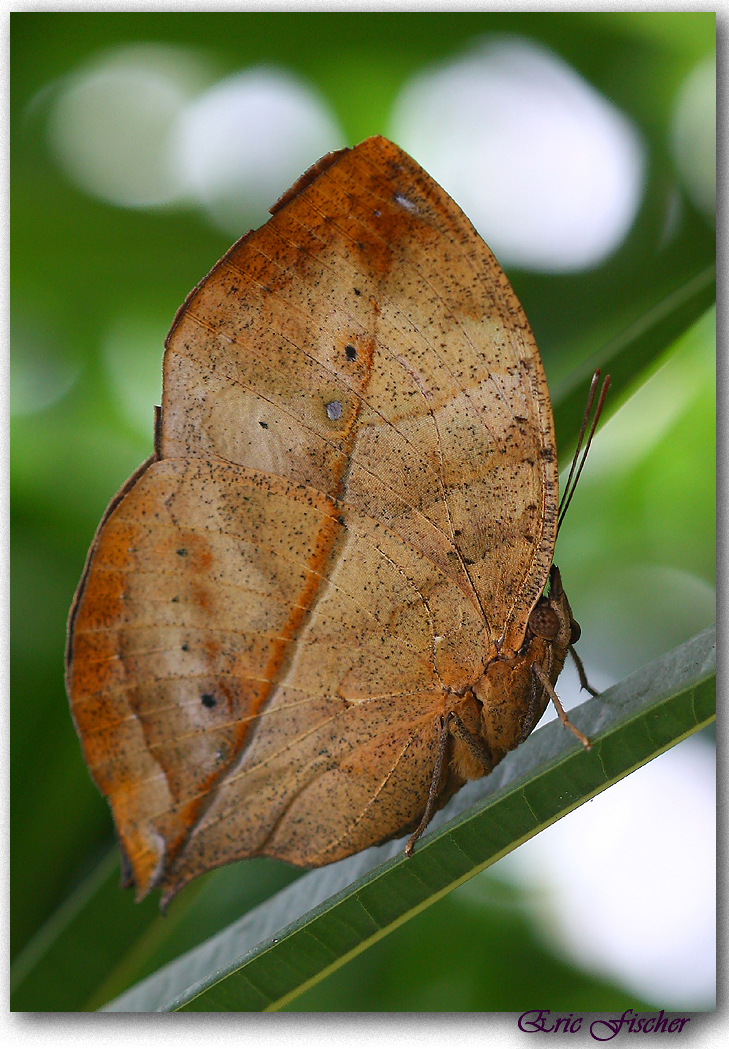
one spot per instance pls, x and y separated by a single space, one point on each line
99 941
632 354
82 929
311 928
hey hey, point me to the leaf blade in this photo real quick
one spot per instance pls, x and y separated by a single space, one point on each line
252 965
632 353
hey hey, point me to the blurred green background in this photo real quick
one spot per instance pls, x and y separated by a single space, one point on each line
94 288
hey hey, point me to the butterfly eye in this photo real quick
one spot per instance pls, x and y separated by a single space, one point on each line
543 622
575 632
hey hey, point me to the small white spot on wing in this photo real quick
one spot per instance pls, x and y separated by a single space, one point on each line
407 204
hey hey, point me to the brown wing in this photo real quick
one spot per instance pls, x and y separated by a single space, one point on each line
354 509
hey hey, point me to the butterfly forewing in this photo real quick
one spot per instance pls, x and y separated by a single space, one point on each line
358 465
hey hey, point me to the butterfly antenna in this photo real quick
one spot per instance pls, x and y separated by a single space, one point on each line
571 485
585 417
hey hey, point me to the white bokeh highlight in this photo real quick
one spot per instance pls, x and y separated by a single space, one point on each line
693 135
41 371
146 127
109 124
626 884
547 169
132 351
241 144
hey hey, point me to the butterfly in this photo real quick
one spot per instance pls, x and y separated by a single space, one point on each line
319 607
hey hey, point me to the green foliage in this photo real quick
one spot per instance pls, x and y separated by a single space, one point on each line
90 282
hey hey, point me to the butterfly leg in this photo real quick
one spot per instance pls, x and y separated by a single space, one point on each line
584 683
434 784
475 745
538 673
479 750
534 713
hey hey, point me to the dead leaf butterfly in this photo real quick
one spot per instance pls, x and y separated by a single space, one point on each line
318 608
